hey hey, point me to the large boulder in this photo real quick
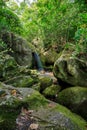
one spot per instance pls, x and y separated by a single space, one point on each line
18 76
48 58
13 74
8 67
11 102
71 70
74 98
52 91
45 82
21 81
52 116
21 50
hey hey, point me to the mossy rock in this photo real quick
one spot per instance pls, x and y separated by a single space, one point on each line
7 119
49 57
45 82
3 46
48 68
49 115
10 105
74 98
36 87
52 91
10 63
57 117
36 100
8 66
28 95
21 81
9 109
71 70
21 49
82 109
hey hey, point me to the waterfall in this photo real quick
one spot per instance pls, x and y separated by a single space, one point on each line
37 61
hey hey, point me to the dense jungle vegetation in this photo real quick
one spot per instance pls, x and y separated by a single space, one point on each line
57 24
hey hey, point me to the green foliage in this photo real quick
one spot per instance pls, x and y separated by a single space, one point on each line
2 3
9 20
81 33
54 23
57 20
3 46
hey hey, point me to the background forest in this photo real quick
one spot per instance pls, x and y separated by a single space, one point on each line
57 24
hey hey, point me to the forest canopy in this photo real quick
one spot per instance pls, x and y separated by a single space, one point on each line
61 24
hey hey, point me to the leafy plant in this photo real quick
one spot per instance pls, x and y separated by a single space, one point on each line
9 20
55 23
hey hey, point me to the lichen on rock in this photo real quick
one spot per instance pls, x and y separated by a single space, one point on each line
75 99
71 70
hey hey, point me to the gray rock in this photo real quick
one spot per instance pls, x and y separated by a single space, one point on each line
21 49
74 98
55 120
21 81
49 115
72 70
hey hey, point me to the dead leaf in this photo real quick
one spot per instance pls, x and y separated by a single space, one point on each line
33 126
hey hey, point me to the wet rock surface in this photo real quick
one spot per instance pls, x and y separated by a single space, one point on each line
55 120
75 99
20 48
71 70
48 114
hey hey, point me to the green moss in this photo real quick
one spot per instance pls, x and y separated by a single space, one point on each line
36 87
8 119
9 113
36 100
52 90
74 117
21 81
71 70
74 98
50 57
73 95
48 68
45 82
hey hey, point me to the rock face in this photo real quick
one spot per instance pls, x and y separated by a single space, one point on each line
8 67
11 102
74 98
72 70
13 74
52 91
52 116
45 82
21 50
55 120
21 81
48 58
